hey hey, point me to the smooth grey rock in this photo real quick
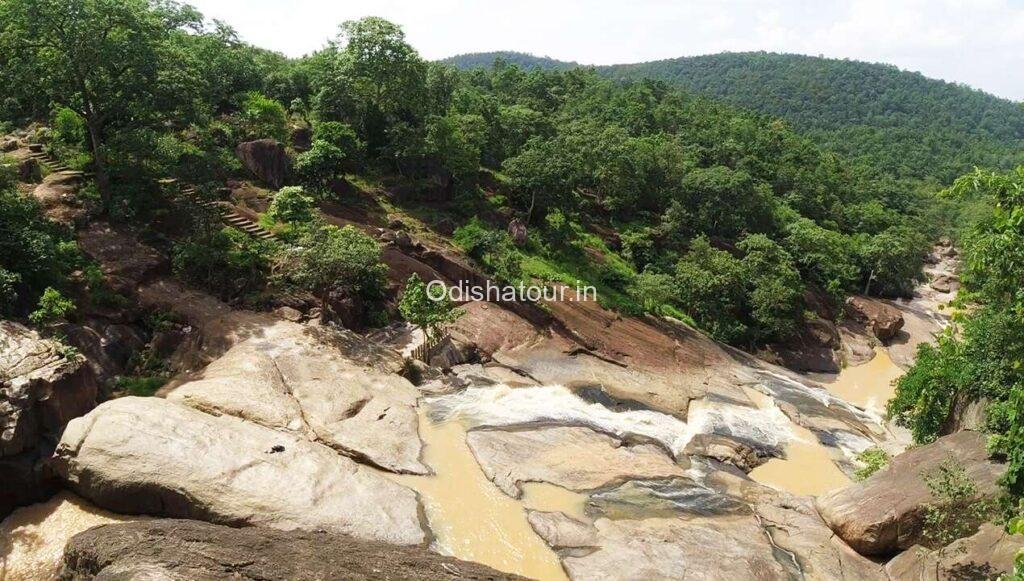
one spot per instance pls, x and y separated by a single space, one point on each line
152 456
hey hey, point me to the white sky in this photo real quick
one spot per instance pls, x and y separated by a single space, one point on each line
977 42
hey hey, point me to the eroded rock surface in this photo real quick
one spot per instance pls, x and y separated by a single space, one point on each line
698 547
186 549
152 456
300 384
985 555
41 389
575 458
884 513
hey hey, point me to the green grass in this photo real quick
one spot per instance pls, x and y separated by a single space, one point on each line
141 385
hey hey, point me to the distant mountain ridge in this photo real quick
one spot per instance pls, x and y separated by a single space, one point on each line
902 121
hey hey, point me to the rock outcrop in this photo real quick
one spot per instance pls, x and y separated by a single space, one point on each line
185 549
41 389
300 385
883 319
984 555
266 159
883 514
152 456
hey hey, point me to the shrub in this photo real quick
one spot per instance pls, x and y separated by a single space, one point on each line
653 290
34 253
955 511
291 205
53 308
142 386
322 163
68 128
228 262
329 258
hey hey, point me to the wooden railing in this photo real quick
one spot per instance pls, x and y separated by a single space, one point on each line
425 349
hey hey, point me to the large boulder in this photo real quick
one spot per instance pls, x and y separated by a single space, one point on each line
266 159
985 555
884 514
186 549
126 262
41 389
152 456
883 319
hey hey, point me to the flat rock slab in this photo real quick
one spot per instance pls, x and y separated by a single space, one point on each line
726 548
185 549
575 458
152 456
884 513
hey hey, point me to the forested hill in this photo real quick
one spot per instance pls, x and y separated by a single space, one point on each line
477 60
903 121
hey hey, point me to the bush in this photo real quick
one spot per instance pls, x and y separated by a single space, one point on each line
35 254
955 511
228 263
291 205
68 128
141 386
653 290
53 308
321 164
491 248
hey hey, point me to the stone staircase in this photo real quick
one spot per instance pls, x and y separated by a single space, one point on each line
49 161
230 216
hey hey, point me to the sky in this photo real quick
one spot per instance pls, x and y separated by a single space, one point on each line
976 42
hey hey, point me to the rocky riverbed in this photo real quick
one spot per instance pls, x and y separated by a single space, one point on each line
549 450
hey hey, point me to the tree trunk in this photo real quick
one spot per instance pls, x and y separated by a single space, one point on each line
99 164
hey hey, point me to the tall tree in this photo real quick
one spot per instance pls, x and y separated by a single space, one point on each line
100 58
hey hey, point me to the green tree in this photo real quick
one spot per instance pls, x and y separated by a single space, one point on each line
100 58
264 117
430 313
774 288
328 258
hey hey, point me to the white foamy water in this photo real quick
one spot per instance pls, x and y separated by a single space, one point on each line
501 405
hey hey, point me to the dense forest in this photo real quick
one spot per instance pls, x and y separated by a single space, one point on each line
902 121
719 216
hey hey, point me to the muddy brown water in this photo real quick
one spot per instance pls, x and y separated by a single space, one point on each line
32 538
808 467
472 519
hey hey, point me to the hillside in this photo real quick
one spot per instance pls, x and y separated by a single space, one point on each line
903 121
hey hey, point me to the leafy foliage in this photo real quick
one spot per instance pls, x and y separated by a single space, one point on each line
919 127
955 511
228 263
981 358
429 311
874 459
